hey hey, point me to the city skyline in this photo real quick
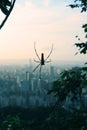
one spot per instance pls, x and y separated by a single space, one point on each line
45 22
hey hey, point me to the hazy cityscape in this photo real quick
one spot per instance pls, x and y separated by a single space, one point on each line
20 86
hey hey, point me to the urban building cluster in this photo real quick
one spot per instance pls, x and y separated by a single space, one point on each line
20 87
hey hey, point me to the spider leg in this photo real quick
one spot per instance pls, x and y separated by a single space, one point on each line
36 51
12 5
36 67
49 53
36 61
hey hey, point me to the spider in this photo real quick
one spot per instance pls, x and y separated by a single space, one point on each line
41 60
6 7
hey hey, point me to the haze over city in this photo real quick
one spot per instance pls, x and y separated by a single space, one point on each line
44 22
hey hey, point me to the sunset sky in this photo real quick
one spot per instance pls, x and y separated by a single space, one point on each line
44 22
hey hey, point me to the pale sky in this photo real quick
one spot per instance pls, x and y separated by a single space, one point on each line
45 22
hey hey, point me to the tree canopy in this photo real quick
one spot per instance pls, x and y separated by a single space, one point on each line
72 82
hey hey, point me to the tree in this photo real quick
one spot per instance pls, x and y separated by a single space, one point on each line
71 83
83 5
70 86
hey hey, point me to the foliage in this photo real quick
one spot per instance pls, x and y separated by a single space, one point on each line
82 45
80 4
69 85
42 118
10 122
4 6
77 120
